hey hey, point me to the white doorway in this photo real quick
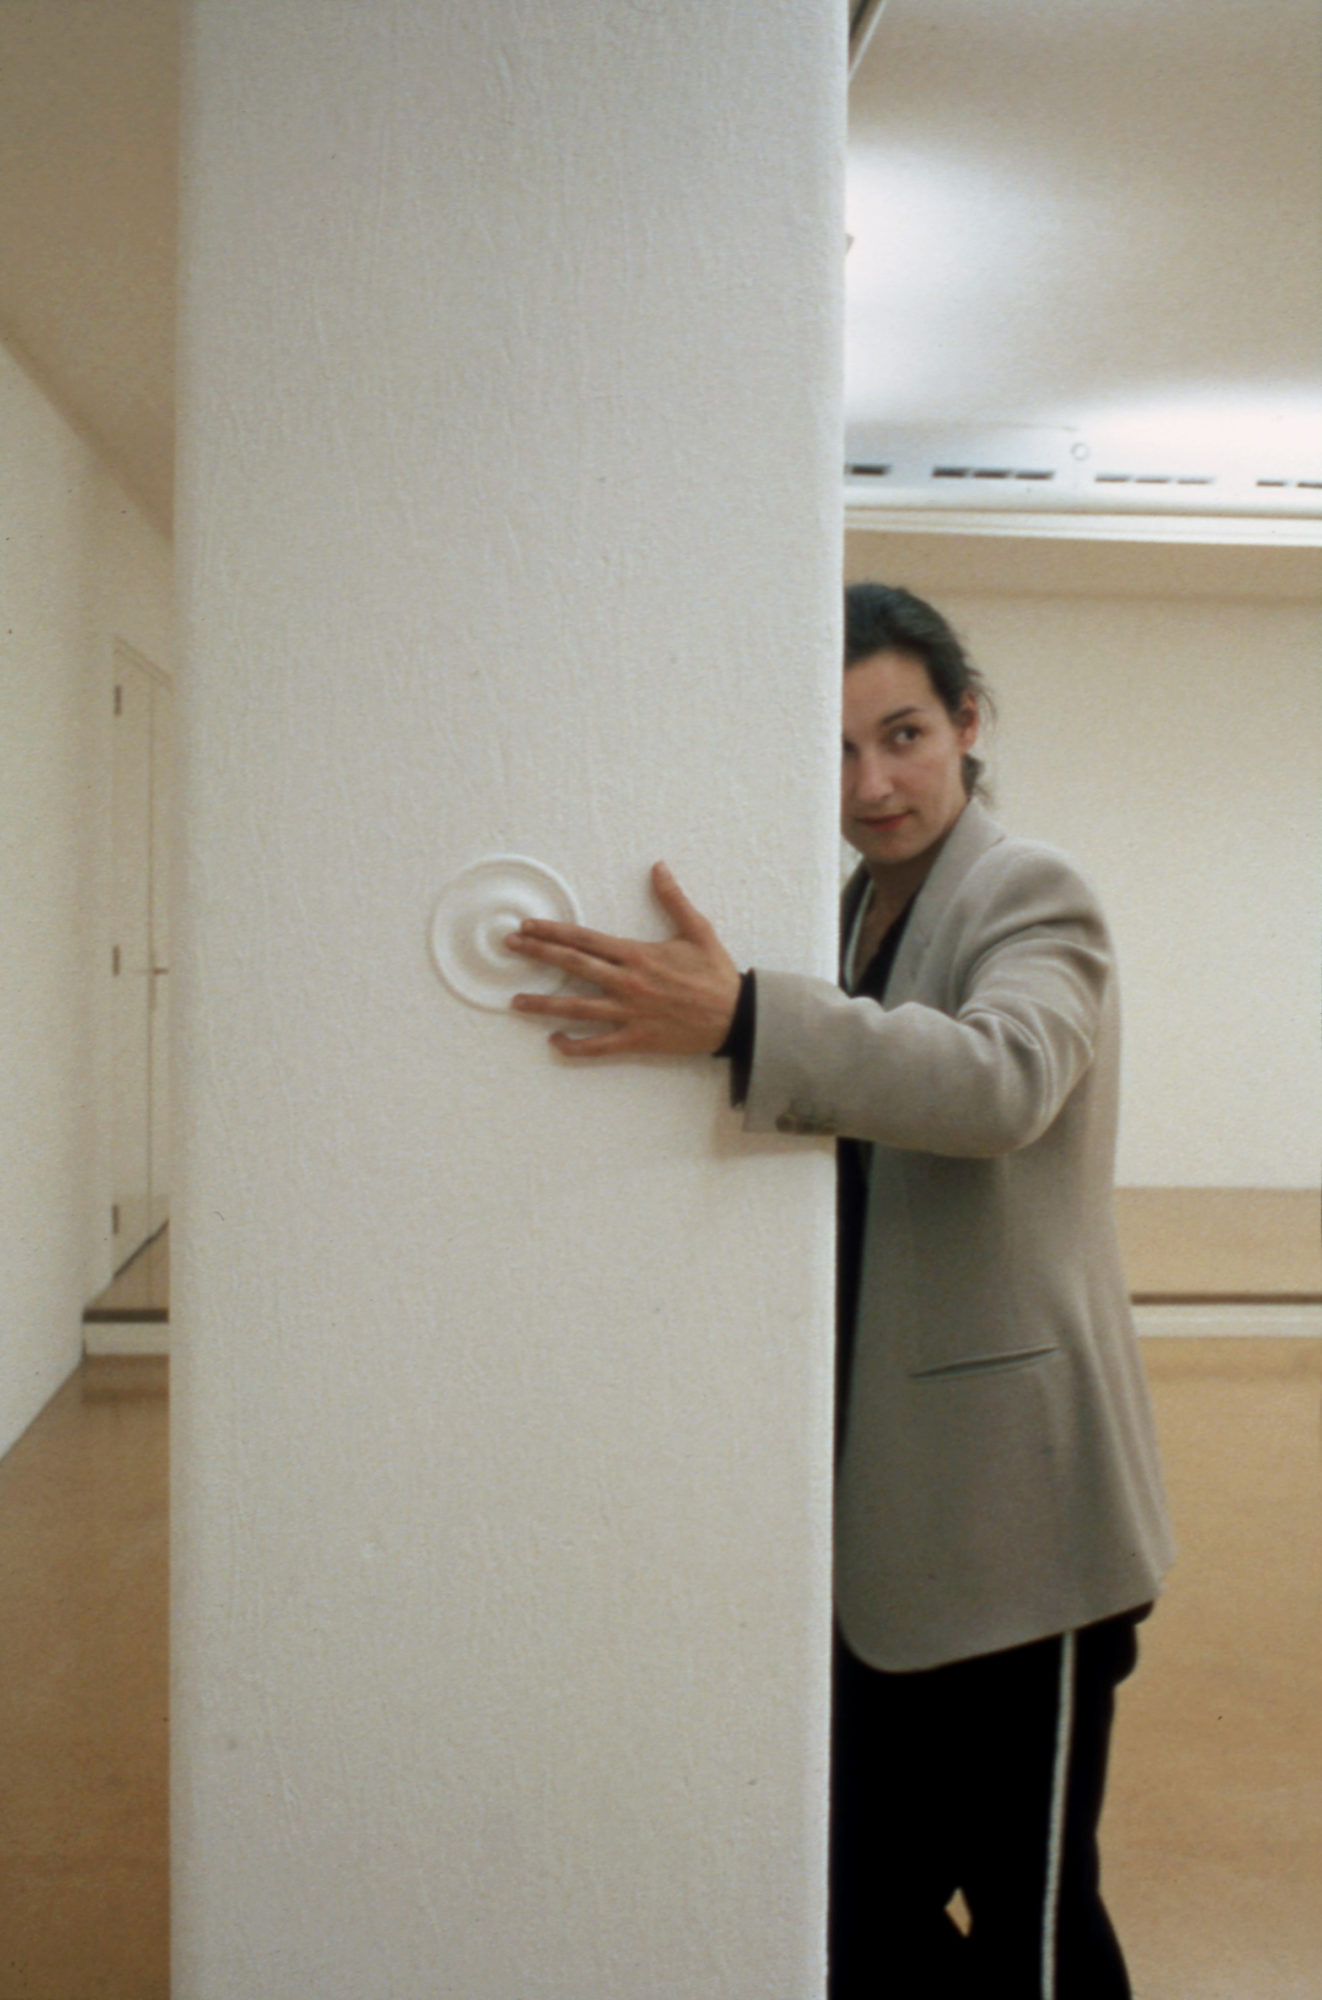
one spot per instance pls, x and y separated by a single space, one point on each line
140 950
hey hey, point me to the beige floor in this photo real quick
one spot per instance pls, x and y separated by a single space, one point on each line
1213 1837
83 1693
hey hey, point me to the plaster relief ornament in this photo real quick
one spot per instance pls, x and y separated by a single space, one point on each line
476 913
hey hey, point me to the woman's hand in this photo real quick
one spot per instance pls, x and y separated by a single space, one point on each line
676 998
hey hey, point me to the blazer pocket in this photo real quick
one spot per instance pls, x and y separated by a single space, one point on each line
968 1306
984 1364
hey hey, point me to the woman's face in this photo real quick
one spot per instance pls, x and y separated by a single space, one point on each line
901 782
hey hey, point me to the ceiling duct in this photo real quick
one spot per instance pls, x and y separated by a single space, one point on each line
1035 466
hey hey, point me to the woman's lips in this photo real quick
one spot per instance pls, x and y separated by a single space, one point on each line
884 823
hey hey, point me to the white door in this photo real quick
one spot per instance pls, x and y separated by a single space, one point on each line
139 945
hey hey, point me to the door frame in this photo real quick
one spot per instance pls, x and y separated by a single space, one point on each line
120 654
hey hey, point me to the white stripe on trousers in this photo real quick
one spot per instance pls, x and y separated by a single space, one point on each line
1056 1831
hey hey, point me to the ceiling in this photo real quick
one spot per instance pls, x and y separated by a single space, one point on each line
1096 219
88 167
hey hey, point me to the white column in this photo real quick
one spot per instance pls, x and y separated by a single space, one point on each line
509 522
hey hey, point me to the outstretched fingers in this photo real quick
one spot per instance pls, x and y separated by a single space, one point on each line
569 1007
673 996
686 917
576 960
542 937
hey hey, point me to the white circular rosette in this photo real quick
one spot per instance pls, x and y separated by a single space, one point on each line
476 913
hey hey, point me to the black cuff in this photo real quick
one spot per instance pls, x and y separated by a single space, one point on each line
738 1044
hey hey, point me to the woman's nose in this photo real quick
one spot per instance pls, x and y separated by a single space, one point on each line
871 777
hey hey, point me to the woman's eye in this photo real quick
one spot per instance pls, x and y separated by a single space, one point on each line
906 735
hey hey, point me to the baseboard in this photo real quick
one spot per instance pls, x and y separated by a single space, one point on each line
1239 1322
126 1336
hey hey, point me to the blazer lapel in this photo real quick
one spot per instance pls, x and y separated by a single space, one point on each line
850 897
972 834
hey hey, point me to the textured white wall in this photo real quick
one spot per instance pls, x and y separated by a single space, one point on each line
78 563
1173 743
510 423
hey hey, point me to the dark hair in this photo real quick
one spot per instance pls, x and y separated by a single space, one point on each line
881 618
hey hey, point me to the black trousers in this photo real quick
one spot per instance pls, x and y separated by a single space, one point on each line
984 1776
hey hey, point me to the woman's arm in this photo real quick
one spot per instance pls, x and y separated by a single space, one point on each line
1026 962
1029 966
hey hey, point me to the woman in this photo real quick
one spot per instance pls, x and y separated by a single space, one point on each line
1000 1527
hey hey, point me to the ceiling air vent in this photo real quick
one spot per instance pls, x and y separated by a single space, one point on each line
978 466
985 468
1152 479
985 472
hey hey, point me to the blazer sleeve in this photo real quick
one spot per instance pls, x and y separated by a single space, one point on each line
1025 966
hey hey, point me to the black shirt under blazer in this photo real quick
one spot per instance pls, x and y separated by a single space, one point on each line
999 1479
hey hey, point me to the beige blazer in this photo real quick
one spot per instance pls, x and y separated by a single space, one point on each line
999 1478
